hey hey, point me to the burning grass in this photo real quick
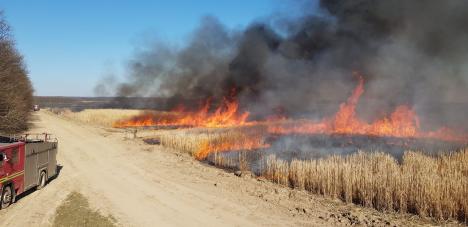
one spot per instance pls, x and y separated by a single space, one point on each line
225 115
403 122
202 142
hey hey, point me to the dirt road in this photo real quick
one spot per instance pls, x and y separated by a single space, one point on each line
143 185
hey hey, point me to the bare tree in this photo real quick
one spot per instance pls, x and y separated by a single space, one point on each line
4 28
15 87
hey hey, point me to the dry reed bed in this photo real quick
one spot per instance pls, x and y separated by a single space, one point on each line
432 186
428 186
101 117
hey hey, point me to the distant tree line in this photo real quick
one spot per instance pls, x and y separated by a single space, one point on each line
16 91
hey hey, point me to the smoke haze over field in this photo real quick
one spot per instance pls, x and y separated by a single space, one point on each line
409 52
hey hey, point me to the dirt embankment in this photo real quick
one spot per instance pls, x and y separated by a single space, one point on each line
145 185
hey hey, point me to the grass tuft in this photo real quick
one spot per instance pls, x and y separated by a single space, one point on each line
75 211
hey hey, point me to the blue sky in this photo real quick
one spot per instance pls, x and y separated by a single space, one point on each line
70 45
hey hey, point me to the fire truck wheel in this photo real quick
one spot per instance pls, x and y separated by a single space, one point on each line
42 180
7 195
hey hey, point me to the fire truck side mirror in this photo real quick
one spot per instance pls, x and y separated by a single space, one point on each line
2 157
5 158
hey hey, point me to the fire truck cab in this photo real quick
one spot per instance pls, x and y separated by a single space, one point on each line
24 164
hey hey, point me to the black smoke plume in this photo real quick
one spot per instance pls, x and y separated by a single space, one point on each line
409 52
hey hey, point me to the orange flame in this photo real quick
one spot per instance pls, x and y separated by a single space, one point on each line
403 122
251 143
225 115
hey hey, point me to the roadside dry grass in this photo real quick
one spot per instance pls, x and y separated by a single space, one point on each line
75 211
101 117
110 117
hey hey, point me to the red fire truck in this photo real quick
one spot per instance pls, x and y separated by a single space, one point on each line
25 162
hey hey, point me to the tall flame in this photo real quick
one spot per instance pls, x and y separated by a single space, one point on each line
403 122
226 114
